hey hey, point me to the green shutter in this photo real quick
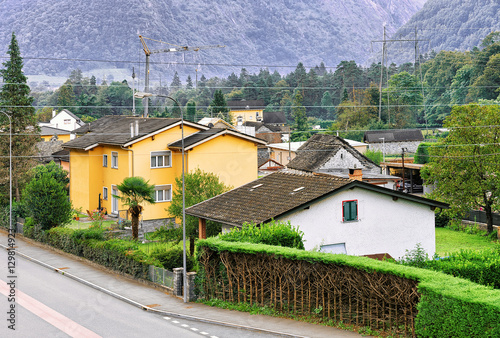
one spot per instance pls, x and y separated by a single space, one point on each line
350 210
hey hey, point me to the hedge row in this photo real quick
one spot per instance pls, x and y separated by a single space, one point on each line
449 306
482 267
119 255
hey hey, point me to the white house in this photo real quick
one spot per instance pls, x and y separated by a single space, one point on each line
65 120
337 215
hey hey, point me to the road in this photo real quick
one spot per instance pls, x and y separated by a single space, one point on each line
48 304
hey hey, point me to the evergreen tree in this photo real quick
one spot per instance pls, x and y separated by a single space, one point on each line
66 96
16 101
191 111
299 112
218 107
189 82
176 83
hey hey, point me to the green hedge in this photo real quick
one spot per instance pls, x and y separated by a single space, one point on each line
482 267
119 255
272 233
449 306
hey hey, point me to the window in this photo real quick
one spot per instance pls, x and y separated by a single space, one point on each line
114 160
160 159
349 211
104 160
163 193
67 121
105 193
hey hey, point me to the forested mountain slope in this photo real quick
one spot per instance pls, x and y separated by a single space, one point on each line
447 25
256 32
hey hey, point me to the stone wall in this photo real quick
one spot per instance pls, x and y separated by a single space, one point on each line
394 148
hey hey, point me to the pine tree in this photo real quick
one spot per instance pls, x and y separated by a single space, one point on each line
299 113
189 82
176 83
191 111
218 107
15 101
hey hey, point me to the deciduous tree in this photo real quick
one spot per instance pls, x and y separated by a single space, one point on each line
464 166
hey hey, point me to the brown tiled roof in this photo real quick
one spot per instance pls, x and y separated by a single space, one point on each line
115 130
266 198
319 149
375 136
279 193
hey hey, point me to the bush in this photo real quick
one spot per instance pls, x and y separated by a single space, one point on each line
442 219
376 156
47 201
172 258
273 233
482 267
422 154
416 257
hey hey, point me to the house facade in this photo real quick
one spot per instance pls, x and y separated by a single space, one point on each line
336 215
64 120
246 110
115 147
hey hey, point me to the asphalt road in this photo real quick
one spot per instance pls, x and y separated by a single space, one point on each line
48 304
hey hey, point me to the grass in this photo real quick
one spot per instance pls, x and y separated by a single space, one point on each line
85 225
450 241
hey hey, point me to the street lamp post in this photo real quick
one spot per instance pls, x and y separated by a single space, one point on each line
141 95
10 171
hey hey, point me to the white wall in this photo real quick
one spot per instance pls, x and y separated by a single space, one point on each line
59 122
383 226
345 160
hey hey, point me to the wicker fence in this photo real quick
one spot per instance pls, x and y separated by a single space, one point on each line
300 287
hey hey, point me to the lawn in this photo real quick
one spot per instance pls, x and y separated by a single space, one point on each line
450 241
85 225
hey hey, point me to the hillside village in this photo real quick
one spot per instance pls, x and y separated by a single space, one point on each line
354 197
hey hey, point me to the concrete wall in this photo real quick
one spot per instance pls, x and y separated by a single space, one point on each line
394 148
383 225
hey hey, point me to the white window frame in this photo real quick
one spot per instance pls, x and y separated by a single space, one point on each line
166 193
105 193
105 160
164 154
114 159
114 200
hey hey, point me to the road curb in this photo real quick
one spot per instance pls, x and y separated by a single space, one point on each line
144 307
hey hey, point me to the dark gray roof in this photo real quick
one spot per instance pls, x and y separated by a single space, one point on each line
274 117
46 130
115 130
319 149
201 136
246 104
400 135
259 125
279 193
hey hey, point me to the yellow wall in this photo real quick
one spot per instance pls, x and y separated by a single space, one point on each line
233 159
61 137
235 162
247 115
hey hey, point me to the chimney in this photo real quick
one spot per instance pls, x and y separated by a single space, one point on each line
131 130
136 127
356 174
53 113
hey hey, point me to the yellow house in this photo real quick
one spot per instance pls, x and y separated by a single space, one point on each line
246 110
47 133
115 147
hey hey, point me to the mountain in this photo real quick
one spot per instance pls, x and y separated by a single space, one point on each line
448 25
58 36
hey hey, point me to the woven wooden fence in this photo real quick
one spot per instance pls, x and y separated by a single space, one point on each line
299 287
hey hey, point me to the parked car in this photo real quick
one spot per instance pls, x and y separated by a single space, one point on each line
409 188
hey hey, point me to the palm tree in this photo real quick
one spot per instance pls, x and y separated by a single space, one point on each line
134 191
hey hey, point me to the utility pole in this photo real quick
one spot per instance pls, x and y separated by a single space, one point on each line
403 150
384 52
133 91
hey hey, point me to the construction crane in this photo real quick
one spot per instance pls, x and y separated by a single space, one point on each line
176 48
